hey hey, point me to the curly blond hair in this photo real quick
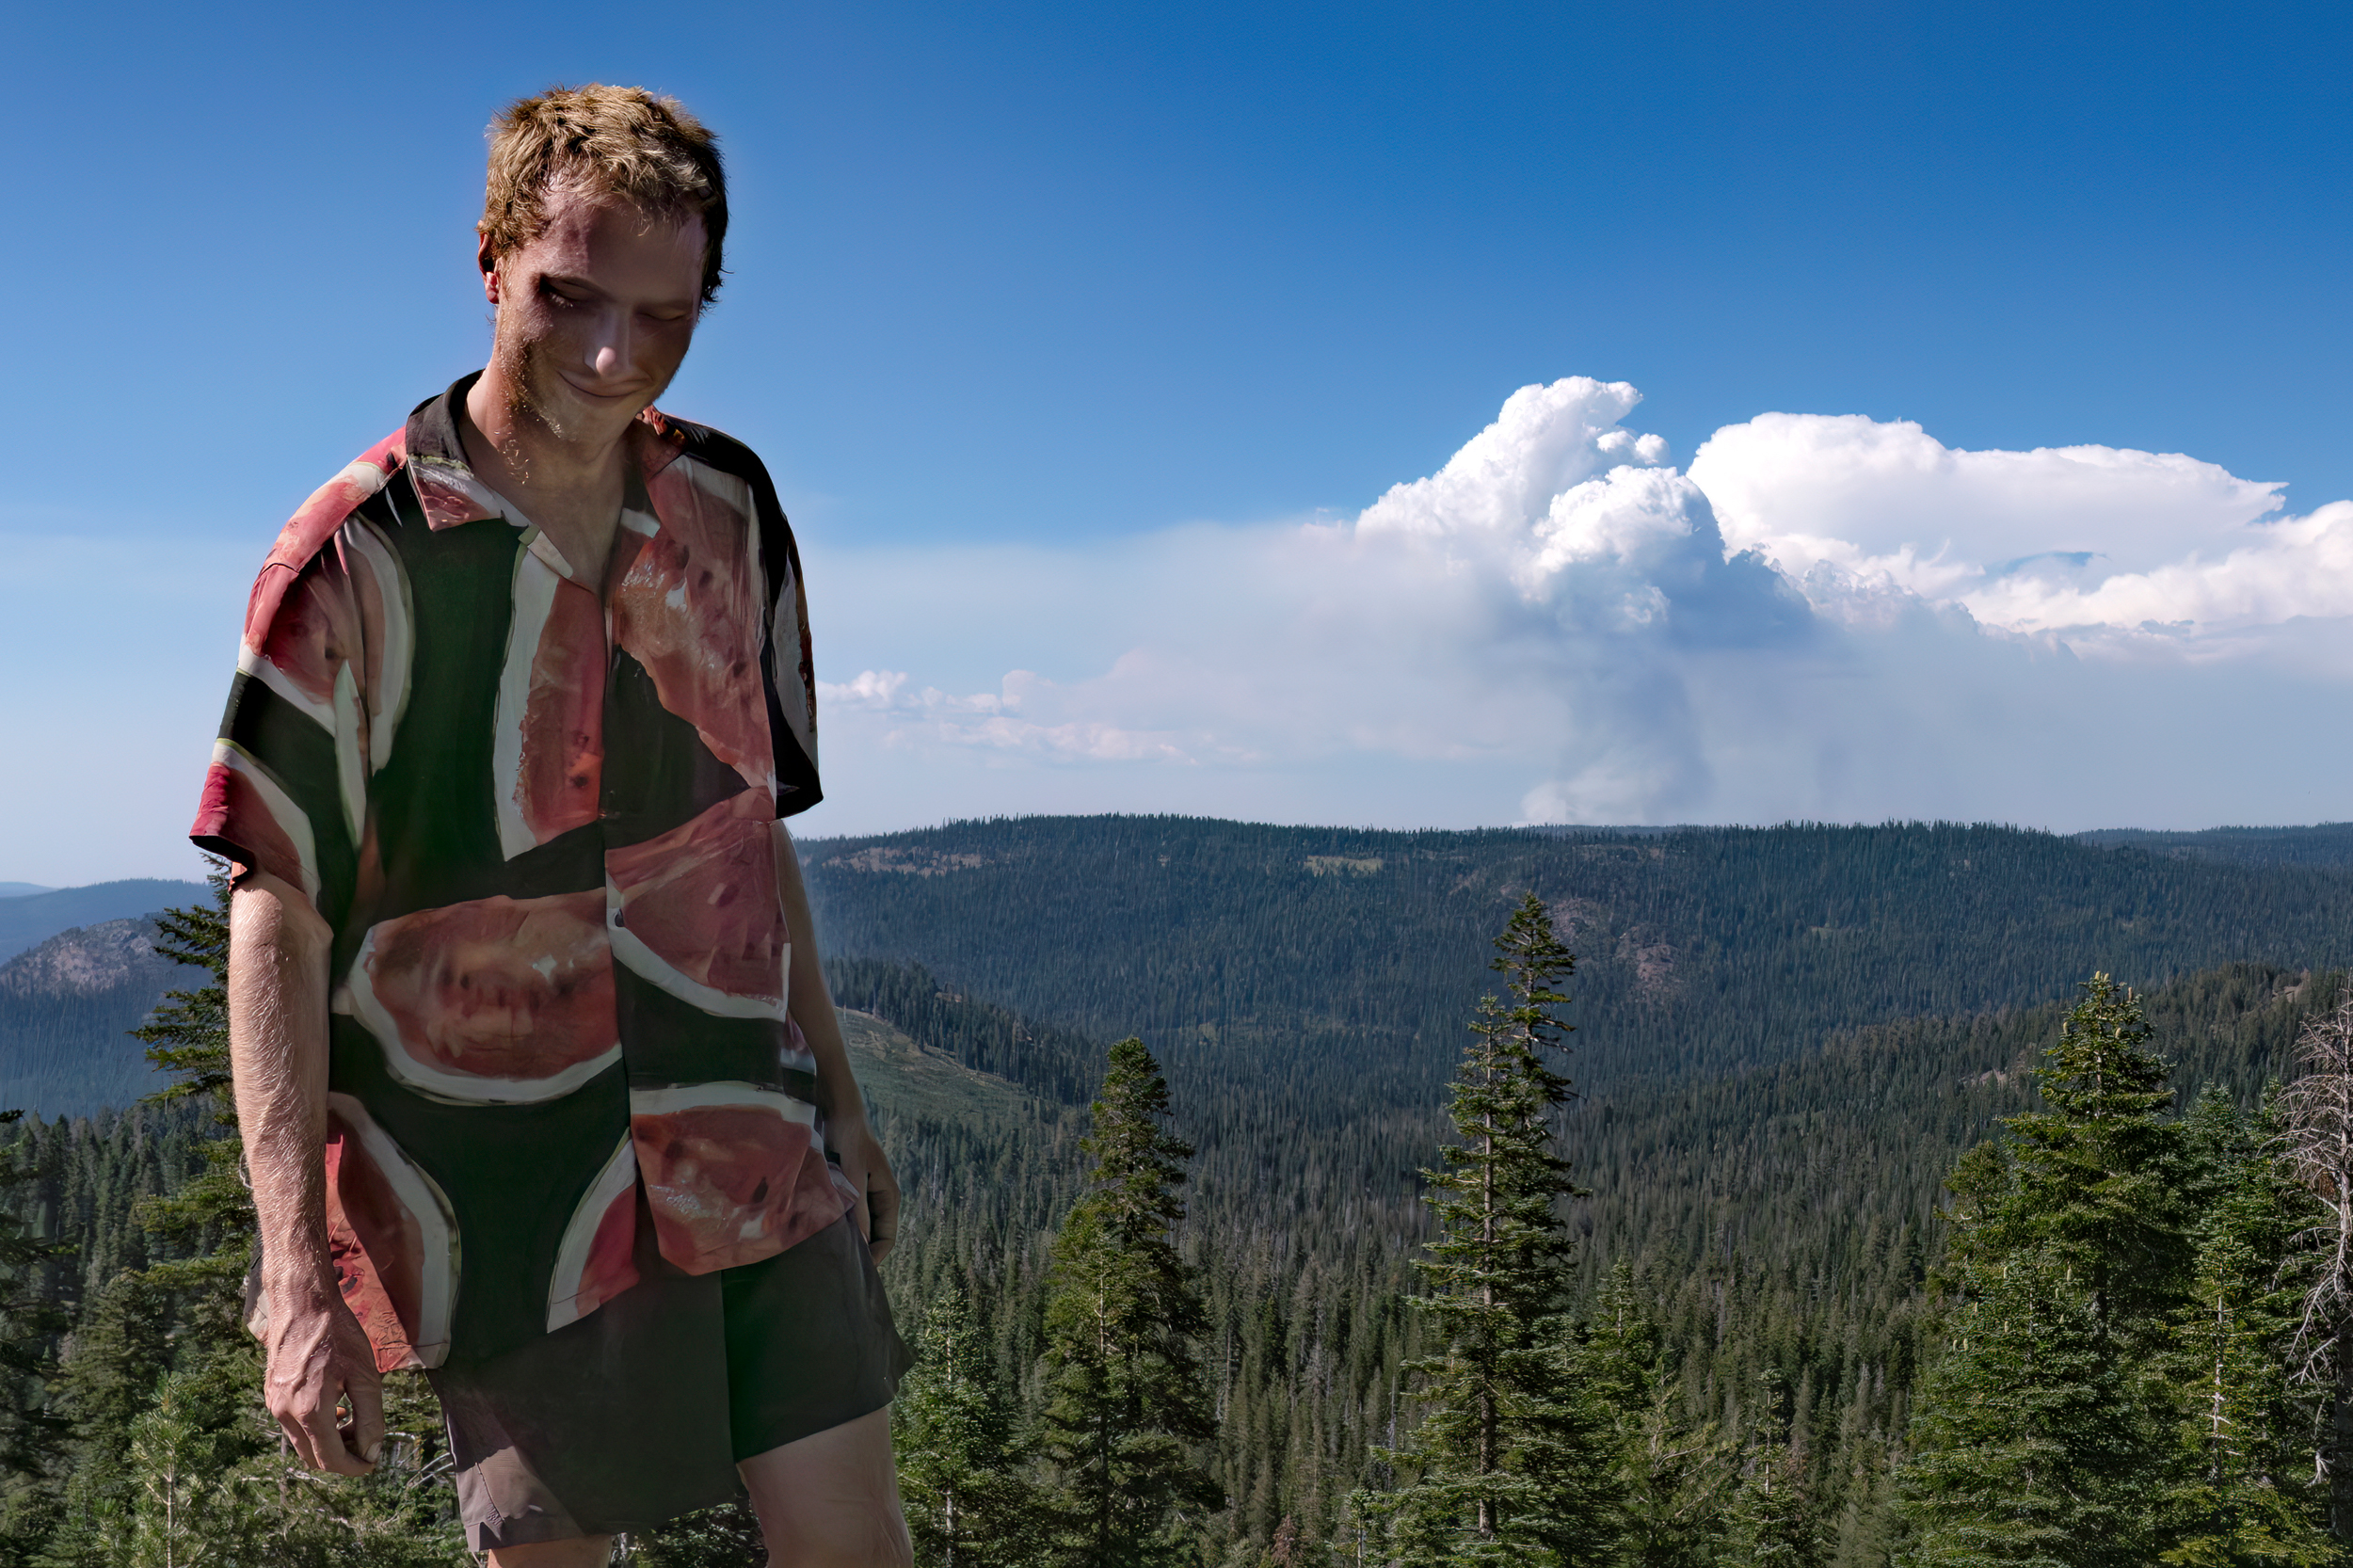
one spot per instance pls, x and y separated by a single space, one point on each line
608 141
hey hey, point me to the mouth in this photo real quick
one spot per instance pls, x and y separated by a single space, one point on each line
594 395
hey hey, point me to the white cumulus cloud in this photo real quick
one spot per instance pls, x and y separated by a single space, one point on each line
1825 616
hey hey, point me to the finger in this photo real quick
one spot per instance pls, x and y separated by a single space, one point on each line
298 1439
327 1442
364 1435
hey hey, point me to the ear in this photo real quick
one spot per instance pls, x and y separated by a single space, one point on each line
489 266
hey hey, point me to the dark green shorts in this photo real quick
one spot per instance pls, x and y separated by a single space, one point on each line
638 1412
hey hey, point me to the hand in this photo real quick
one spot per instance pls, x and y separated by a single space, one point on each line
869 1173
318 1357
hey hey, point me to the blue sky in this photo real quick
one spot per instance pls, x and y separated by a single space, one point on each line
1057 325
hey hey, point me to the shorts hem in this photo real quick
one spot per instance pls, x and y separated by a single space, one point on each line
863 1408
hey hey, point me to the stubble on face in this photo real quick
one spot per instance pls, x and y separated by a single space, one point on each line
522 357
593 318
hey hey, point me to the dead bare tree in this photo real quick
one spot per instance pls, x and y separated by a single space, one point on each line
2317 1139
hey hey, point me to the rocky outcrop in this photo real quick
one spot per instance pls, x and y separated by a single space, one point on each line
91 960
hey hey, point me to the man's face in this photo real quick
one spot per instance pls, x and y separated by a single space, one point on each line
595 315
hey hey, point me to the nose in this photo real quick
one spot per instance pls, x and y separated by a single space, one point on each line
609 353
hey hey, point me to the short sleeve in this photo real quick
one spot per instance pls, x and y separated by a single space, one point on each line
286 791
793 687
791 671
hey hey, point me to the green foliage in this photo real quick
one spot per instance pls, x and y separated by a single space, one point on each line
963 1467
2121 1294
1510 1455
2034 1443
1672 1474
1125 1409
2243 1490
2096 1179
1775 1518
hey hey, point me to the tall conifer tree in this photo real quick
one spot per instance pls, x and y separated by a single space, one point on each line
2243 1489
1513 1452
1127 1406
207 1227
1775 1518
2043 1435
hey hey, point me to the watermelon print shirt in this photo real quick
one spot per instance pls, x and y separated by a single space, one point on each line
540 820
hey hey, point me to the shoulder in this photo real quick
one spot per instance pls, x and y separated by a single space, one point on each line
720 452
718 449
315 523
316 520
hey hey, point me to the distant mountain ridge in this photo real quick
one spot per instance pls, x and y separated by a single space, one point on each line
29 918
1250 953
2326 844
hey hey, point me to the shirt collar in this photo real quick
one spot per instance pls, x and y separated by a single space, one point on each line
446 485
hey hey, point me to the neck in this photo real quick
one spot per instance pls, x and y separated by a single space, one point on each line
522 455
568 483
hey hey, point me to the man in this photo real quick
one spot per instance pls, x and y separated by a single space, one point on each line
539 1083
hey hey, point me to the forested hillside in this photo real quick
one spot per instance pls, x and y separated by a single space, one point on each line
1784 1041
67 1005
1785 1036
2328 844
1241 951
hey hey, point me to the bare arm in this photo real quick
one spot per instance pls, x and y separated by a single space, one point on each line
278 952
847 1129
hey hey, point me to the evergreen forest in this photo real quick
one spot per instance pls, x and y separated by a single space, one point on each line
1922 1193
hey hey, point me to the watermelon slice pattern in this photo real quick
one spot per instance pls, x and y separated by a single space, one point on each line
392 1239
696 911
509 1000
690 609
597 1259
387 632
269 825
548 752
496 1000
733 1173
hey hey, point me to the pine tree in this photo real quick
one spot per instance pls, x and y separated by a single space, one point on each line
2245 1492
2030 1446
1126 1407
1513 1452
1773 1516
32 1435
2098 1178
207 1228
1672 1474
2041 1436
961 1462
180 1507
